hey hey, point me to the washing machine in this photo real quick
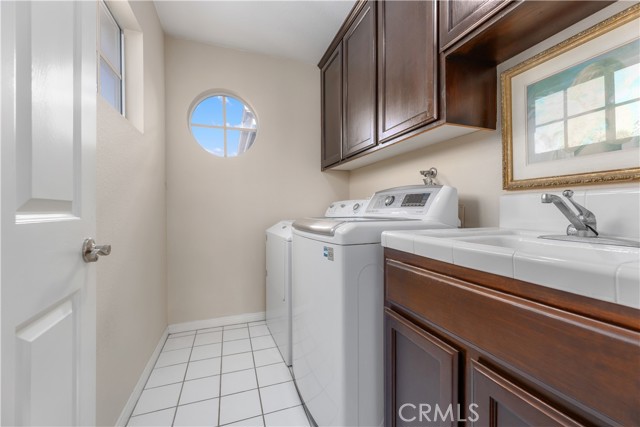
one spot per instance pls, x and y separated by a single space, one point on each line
337 276
278 280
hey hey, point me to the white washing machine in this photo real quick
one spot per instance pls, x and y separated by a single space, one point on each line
278 282
337 271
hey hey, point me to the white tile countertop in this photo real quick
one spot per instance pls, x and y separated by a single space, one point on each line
601 271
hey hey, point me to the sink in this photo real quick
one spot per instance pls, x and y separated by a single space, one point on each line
605 272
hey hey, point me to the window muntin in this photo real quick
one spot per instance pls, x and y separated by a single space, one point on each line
223 125
589 108
111 57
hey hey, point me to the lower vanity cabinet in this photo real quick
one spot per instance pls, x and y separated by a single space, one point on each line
464 347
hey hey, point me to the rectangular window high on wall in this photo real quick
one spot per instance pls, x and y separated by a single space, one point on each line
111 57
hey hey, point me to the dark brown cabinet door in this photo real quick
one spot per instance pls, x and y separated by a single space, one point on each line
420 370
332 109
458 17
407 74
501 403
359 85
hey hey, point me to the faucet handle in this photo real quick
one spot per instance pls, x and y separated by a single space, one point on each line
586 216
586 213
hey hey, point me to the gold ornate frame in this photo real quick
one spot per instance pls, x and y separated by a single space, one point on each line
599 177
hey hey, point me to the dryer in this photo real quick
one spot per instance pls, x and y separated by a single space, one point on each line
337 273
278 274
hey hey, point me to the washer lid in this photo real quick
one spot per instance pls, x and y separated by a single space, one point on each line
328 226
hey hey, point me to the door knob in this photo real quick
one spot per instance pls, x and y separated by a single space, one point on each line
91 251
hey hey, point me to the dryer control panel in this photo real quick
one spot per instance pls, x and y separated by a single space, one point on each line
347 208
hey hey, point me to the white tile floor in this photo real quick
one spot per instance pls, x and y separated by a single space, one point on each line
225 376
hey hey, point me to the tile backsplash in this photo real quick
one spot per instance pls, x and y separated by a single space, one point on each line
617 211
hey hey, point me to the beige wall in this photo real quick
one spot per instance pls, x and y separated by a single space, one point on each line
131 286
217 208
471 163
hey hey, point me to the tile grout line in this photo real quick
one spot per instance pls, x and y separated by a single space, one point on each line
269 413
220 384
175 414
255 371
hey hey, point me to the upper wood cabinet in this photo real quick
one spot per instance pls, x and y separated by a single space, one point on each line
458 17
389 86
331 81
407 66
359 82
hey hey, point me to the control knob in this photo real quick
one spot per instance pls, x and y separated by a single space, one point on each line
389 200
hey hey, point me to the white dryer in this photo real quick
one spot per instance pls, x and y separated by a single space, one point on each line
278 281
338 301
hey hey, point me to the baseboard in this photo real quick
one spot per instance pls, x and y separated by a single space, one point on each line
137 390
219 321
172 329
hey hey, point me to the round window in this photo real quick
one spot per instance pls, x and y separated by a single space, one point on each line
223 125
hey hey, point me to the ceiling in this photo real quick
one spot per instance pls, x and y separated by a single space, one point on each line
300 30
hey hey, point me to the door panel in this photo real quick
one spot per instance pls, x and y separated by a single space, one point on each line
332 109
501 403
44 379
458 17
359 86
46 68
407 76
421 371
47 171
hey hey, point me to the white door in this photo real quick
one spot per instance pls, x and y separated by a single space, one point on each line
47 177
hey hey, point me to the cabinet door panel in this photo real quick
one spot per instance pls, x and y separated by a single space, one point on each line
407 77
420 370
458 17
360 83
332 109
502 403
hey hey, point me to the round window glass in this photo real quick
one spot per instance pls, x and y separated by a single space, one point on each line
223 125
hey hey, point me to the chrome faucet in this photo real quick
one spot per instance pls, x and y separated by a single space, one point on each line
583 224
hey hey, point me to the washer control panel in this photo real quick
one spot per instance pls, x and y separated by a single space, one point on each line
412 201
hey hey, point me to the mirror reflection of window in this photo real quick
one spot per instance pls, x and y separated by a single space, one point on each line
589 108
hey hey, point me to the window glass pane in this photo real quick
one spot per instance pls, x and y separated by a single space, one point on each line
208 112
109 38
585 96
210 139
110 86
549 137
218 135
628 120
587 129
627 83
549 108
239 141
235 111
